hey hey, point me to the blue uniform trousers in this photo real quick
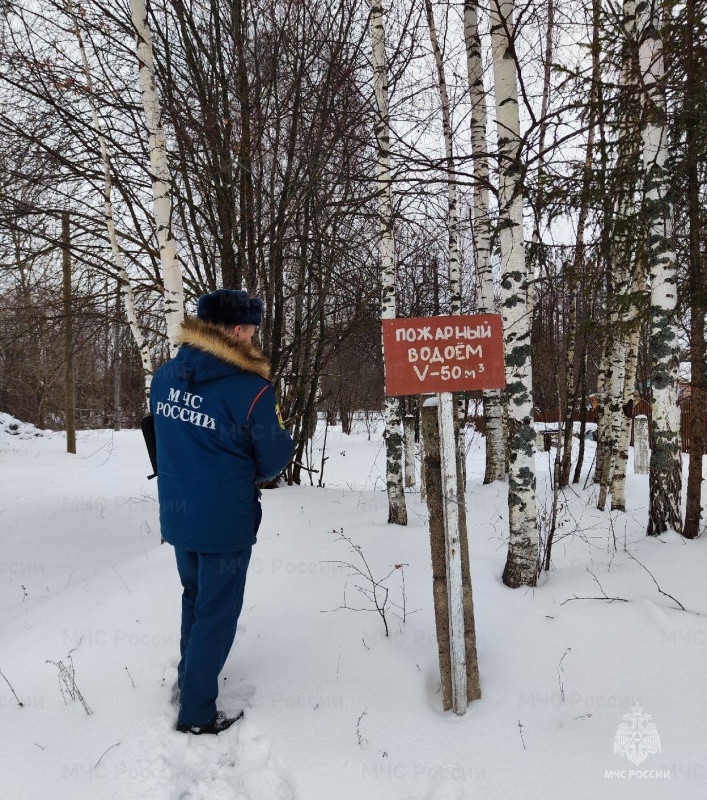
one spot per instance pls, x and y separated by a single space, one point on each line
211 604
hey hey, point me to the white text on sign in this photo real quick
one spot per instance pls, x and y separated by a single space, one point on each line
437 355
421 334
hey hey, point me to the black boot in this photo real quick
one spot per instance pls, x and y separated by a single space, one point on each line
218 724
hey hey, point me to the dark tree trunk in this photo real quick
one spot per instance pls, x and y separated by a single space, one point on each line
69 386
693 508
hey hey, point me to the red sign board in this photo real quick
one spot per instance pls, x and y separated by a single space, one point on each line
428 355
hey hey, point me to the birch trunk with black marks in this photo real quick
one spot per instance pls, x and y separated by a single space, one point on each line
621 301
481 231
618 478
397 511
125 287
537 252
452 220
612 409
522 560
409 434
602 393
161 178
665 485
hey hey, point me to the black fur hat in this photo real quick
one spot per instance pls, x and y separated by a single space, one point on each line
230 307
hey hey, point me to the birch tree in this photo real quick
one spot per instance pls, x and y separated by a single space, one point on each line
126 289
522 560
623 273
614 389
481 231
397 511
537 250
618 477
665 465
452 221
161 178
629 263
451 172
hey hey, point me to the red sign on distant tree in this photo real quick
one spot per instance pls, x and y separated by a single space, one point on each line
429 355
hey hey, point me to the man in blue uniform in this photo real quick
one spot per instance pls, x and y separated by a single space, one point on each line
219 433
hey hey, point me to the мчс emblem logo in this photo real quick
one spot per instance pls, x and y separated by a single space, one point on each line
636 738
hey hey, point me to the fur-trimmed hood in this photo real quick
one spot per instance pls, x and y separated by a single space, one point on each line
212 339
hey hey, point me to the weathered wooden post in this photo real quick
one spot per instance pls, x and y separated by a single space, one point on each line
441 355
641 453
440 583
473 686
435 501
453 551
423 477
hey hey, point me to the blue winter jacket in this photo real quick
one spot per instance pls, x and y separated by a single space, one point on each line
218 431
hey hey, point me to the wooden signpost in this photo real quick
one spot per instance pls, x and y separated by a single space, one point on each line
442 355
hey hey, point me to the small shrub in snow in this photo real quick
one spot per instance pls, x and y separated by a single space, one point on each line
374 590
67 681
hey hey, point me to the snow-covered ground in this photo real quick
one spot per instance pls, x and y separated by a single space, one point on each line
333 708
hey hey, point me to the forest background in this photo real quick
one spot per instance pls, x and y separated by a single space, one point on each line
275 134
